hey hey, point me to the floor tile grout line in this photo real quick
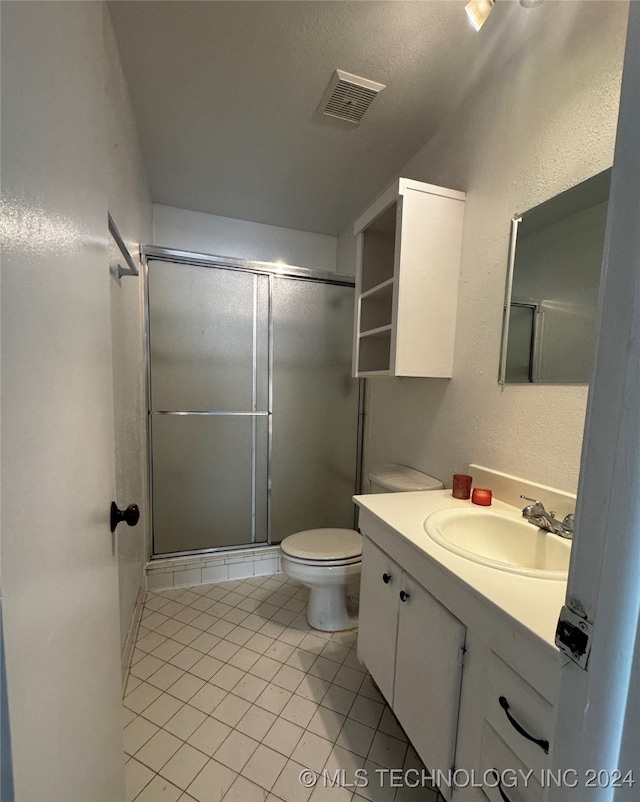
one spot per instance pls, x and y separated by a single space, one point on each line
150 781
233 729
187 671
347 646
278 716
219 618
158 772
230 691
235 626
245 646
168 689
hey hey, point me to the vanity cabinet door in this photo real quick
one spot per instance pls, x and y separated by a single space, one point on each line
377 632
428 674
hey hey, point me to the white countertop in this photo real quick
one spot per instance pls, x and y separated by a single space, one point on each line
534 603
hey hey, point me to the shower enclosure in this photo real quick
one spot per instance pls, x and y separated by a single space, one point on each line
253 414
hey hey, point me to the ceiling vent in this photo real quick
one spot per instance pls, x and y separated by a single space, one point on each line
348 96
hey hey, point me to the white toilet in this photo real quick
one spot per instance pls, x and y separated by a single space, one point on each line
328 561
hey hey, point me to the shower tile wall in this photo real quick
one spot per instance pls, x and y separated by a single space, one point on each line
176 572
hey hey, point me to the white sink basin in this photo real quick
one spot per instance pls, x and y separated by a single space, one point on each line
501 541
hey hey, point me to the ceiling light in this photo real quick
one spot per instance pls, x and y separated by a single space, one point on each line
530 3
478 11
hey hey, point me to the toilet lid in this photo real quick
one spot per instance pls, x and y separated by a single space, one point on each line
323 544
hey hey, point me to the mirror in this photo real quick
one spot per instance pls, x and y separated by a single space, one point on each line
555 259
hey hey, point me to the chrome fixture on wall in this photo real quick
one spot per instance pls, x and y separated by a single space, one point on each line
537 515
119 253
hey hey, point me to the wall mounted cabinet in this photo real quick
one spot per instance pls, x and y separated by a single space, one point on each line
408 267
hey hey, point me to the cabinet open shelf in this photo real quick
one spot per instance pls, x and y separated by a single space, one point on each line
376 306
374 332
378 288
378 248
407 281
374 352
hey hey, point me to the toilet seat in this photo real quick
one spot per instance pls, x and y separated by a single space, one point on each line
322 563
324 546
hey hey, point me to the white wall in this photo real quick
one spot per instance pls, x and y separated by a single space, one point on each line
130 207
544 123
60 579
222 236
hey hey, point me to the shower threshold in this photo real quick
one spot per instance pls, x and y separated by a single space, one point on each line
212 565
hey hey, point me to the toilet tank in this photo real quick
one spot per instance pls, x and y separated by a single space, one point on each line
400 479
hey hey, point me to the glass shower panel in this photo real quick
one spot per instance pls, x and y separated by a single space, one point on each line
209 378
208 329
315 407
209 481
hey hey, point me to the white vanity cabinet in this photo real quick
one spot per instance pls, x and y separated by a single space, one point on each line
413 648
408 265
506 726
473 690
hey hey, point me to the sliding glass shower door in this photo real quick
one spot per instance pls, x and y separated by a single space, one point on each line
208 346
314 407
253 414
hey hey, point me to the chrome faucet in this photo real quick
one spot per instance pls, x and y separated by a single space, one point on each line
537 515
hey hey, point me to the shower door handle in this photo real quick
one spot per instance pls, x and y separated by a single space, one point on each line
131 515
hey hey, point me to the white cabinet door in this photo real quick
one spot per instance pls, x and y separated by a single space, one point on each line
59 571
409 244
428 674
377 632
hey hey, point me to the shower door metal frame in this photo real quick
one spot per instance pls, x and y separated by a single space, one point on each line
271 270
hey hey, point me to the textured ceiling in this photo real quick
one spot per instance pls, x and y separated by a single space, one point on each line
225 97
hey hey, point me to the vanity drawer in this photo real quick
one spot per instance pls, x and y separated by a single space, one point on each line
515 783
511 703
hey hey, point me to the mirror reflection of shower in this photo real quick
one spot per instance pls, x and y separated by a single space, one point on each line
555 266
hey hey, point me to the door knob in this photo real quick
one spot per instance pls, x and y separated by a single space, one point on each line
131 515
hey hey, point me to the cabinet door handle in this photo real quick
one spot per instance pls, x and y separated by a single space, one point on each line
403 596
386 578
499 785
504 704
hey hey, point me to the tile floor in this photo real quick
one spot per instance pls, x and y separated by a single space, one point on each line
231 695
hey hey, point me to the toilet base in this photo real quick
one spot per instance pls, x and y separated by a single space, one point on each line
330 587
328 609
